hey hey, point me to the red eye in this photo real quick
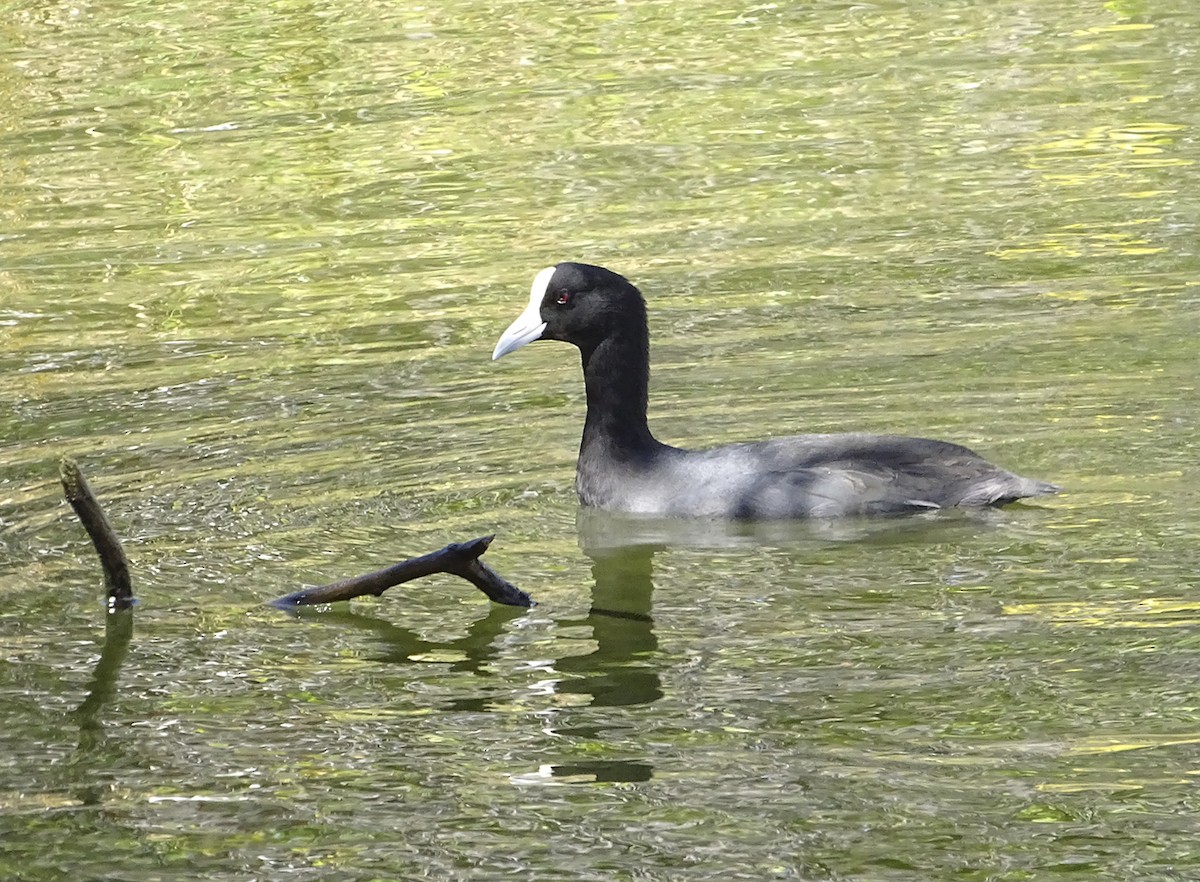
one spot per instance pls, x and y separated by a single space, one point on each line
563 299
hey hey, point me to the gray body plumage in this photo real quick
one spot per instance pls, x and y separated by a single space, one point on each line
803 476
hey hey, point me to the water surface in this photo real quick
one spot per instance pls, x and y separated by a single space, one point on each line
253 260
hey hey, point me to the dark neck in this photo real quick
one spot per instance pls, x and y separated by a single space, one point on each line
616 374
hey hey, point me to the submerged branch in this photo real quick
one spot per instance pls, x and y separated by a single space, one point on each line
104 538
458 559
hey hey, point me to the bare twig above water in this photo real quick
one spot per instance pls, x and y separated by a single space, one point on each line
458 559
104 538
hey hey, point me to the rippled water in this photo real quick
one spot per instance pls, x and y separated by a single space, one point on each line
253 260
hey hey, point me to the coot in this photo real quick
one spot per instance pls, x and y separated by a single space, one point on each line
622 467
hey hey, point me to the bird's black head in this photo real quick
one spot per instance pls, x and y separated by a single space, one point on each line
576 303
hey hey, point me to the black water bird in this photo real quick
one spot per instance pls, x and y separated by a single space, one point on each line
622 467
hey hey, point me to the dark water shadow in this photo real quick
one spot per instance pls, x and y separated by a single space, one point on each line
591 772
118 632
621 670
402 645
602 771
94 762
